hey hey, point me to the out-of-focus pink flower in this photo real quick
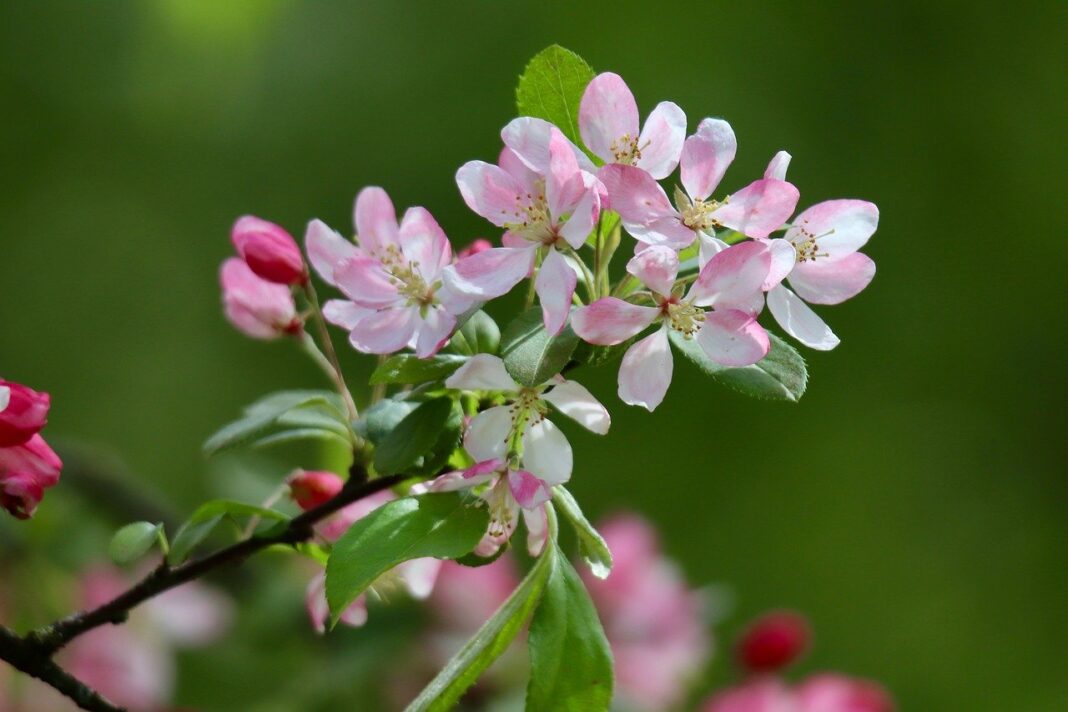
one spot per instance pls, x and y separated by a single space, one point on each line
828 692
465 597
479 245
268 250
653 620
719 310
608 122
309 489
773 641
26 471
256 307
23 412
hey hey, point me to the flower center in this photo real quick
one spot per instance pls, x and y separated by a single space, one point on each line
532 219
699 214
683 317
626 150
527 406
405 276
806 245
499 500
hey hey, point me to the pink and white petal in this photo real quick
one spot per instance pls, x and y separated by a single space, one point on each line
832 281
491 273
453 301
573 400
708 247
661 140
760 208
799 321
482 372
514 166
513 239
840 226
424 243
783 257
434 331
491 192
375 220
635 195
656 267
563 181
319 612
486 435
504 516
733 338
732 277
385 331
456 480
482 471
528 490
365 281
419 576
537 522
555 284
607 112
667 231
609 321
327 249
547 453
344 313
645 373
777 166
585 212
528 138
705 157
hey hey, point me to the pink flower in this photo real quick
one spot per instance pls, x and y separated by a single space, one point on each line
648 215
773 641
310 489
653 620
519 454
720 311
392 277
268 250
256 307
26 471
545 201
23 412
479 245
828 692
608 122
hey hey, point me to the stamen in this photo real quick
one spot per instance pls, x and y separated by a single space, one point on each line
699 214
806 245
684 317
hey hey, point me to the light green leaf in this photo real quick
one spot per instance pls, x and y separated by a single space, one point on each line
592 546
781 375
413 437
491 640
530 355
570 661
134 541
283 410
439 525
479 335
409 369
551 88
206 518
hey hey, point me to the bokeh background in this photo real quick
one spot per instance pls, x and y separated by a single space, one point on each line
914 504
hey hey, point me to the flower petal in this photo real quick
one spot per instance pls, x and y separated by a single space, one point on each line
365 281
486 436
491 192
491 273
708 247
555 284
645 374
375 219
547 453
783 257
609 321
528 490
799 321
434 331
634 194
840 226
563 181
344 313
733 338
385 331
573 400
419 576
607 112
760 208
705 157
734 277
424 243
656 267
585 212
528 138
661 140
778 165
327 249
537 521
482 372
832 281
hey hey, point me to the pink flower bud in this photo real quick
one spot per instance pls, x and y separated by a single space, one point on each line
773 641
269 251
23 412
310 489
256 307
479 245
26 471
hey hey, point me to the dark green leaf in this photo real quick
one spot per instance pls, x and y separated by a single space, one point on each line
551 88
478 335
413 437
781 375
530 355
206 518
592 546
570 661
381 418
133 541
432 462
441 525
475 561
283 410
409 369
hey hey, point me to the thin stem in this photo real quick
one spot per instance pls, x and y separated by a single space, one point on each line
22 655
378 391
328 348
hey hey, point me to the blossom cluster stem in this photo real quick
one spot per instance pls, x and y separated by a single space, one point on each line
332 365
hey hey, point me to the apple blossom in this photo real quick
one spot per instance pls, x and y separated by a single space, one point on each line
546 208
519 454
608 123
26 471
256 307
268 250
827 692
719 311
648 215
23 412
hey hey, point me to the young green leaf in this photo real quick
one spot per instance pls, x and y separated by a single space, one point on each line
440 525
478 335
134 541
551 88
408 369
414 436
283 411
570 661
531 356
491 640
781 375
592 546
206 517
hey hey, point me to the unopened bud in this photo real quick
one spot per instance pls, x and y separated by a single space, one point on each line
309 489
269 251
773 641
23 412
479 245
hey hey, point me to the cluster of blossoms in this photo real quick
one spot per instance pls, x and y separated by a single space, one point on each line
28 466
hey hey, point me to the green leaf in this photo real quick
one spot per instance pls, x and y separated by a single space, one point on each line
570 661
409 369
491 640
530 355
781 375
440 525
134 541
551 88
283 410
592 546
479 335
206 517
435 459
414 436
381 418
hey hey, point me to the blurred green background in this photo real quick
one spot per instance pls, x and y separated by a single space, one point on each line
915 504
